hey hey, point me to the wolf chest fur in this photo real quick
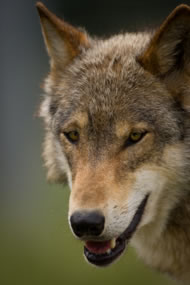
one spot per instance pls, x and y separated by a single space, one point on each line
117 126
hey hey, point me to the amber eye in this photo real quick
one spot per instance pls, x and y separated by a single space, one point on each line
135 137
72 136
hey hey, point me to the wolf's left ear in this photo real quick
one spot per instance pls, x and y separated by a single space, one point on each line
169 49
63 41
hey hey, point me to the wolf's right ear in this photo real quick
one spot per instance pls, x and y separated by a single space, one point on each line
63 41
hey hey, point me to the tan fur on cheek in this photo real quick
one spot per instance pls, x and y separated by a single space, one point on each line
174 156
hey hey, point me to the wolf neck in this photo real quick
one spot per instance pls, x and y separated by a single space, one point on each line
169 252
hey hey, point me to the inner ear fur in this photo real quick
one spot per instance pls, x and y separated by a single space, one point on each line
63 41
169 49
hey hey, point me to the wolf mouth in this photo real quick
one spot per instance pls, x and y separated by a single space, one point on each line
102 253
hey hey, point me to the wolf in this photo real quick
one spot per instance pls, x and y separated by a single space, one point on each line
117 127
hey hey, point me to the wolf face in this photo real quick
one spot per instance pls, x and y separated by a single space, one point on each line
116 119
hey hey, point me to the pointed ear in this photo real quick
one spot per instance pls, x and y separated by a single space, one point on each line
63 41
169 49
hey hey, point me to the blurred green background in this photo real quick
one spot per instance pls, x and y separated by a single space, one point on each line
36 245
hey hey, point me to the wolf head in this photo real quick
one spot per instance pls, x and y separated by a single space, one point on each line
116 115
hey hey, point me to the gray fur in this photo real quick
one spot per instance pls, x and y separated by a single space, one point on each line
111 86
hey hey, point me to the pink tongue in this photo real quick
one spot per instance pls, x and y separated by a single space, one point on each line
97 246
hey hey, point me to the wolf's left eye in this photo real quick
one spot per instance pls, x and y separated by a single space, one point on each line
72 136
134 138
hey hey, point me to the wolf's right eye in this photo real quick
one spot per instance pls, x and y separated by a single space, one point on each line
72 136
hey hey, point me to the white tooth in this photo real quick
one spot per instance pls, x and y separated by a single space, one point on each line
113 243
108 251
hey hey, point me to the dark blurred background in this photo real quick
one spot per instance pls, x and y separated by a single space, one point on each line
36 246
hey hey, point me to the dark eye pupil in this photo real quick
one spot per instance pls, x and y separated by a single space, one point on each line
134 138
72 136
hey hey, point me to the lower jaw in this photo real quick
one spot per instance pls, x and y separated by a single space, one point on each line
107 258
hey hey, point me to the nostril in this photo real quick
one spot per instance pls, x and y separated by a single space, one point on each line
85 223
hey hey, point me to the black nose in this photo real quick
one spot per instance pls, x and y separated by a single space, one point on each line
87 223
